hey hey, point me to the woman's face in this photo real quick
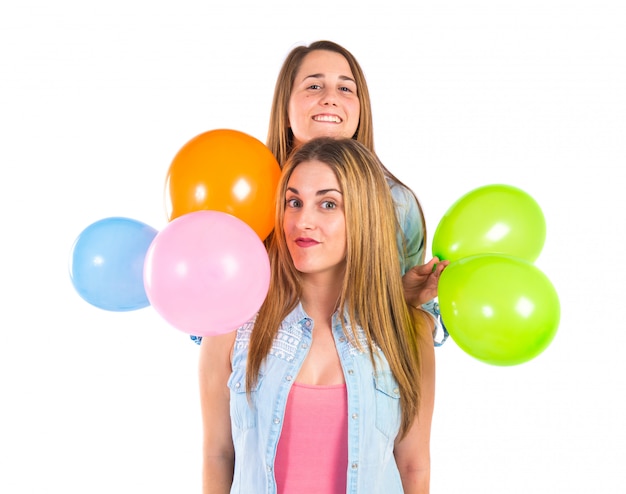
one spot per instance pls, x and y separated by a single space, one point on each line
314 221
324 100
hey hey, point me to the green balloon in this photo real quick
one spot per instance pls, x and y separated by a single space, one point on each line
493 219
499 309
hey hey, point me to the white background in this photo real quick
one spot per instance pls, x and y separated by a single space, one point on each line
97 97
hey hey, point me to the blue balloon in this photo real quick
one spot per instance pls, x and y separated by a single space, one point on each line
106 263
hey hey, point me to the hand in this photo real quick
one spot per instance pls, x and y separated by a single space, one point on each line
420 282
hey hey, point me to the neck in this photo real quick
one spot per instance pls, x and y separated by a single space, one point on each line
320 297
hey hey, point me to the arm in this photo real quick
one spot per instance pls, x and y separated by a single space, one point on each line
218 450
412 452
419 280
420 285
411 237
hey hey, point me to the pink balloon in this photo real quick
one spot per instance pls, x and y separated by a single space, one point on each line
206 273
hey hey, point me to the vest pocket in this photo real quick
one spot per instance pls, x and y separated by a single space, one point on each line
242 407
387 403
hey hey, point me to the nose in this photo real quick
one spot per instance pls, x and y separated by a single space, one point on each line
329 98
305 219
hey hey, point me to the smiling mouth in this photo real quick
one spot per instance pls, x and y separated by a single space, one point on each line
327 118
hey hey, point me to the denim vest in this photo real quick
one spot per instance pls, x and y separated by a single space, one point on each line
373 409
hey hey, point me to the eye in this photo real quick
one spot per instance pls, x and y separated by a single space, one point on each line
314 86
329 205
293 203
345 89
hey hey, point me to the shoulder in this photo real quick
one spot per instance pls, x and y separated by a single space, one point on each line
402 196
242 335
227 344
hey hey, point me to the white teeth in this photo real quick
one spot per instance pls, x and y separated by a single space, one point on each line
327 118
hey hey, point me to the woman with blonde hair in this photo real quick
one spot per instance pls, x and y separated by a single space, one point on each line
330 388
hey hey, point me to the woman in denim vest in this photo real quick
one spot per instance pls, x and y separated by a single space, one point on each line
330 388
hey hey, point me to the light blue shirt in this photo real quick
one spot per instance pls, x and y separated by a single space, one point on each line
373 409
410 222
412 239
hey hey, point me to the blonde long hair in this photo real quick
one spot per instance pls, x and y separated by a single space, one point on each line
371 293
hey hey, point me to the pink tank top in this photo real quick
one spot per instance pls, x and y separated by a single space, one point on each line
312 453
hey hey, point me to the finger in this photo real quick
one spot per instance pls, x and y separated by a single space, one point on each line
439 267
431 265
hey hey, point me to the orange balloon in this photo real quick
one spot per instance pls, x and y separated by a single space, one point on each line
224 170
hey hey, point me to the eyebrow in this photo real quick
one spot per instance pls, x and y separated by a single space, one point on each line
322 76
318 193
